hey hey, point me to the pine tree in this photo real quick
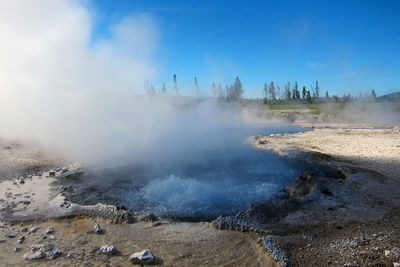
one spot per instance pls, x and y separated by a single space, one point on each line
308 96
238 89
288 95
316 89
272 91
265 93
304 93
175 83
196 85
373 95
296 92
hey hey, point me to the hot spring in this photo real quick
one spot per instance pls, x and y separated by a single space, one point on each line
197 185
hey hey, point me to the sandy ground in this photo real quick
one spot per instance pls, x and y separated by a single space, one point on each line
373 243
174 244
368 147
23 159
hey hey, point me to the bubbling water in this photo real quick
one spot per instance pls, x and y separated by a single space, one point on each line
202 185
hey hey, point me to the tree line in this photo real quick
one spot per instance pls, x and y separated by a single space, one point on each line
272 93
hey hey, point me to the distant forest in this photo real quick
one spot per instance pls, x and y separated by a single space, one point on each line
274 94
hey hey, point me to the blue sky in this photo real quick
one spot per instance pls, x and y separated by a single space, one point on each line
348 46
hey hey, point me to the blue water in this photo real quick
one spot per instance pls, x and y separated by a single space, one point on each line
203 183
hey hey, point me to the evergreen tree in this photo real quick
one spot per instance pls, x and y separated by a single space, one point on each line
164 89
373 95
196 85
288 94
265 92
327 95
296 92
308 97
272 91
278 91
316 89
304 93
237 89
175 83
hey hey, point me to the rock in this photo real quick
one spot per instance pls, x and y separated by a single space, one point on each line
21 181
144 256
34 252
49 230
52 174
97 229
21 239
353 244
396 264
24 230
39 251
52 237
10 235
149 218
2 241
17 249
51 252
110 250
302 187
387 253
34 229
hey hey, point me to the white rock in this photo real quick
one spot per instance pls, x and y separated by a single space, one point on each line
97 229
51 252
50 230
108 249
34 229
34 252
144 256
396 264
39 251
387 253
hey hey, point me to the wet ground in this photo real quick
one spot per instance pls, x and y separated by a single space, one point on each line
173 243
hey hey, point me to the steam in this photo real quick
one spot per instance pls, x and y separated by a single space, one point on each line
63 90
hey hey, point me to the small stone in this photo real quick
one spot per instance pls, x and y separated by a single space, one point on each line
375 235
52 174
2 241
97 229
21 239
353 244
34 252
52 237
50 230
17 249
10 235
51 252
110 250
24 230
21 181
44 237
387 253
34 229
144 256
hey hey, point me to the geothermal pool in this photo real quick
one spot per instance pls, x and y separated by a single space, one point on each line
199 185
